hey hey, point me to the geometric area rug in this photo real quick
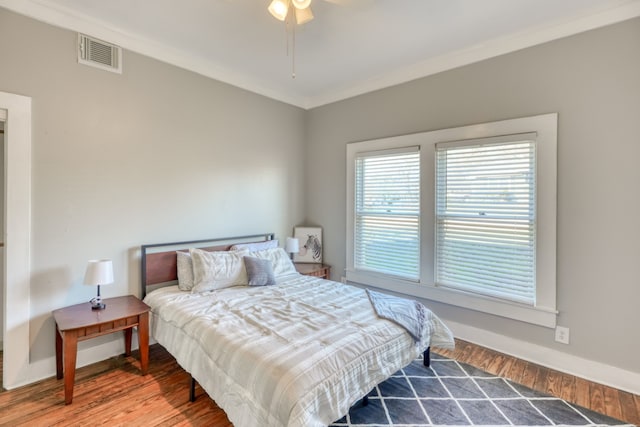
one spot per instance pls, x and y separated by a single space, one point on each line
449 393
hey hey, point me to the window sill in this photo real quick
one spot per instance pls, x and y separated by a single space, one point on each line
535 315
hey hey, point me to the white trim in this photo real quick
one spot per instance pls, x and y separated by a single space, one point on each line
66 18
545 127
44 368
353 151
17 271
542 316
584 368
485 50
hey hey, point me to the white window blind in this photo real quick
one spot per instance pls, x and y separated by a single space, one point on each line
486 216
387 212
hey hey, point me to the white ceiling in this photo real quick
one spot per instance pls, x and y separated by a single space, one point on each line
351 47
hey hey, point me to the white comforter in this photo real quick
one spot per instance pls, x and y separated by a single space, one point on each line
299 353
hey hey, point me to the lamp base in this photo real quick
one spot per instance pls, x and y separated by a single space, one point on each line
96 303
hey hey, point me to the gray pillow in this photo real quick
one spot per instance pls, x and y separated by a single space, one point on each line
185 271
259 271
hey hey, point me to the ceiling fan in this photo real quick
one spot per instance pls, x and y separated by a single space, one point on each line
286 10
301 8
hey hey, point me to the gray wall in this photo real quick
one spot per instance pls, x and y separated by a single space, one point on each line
159 153
153 155
593 81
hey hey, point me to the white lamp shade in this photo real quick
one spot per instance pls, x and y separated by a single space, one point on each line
99 272
279 9
292 246
301 4
303 16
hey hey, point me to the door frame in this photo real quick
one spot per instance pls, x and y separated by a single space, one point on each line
17 238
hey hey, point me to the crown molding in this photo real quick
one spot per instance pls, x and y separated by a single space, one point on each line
71 20
480 52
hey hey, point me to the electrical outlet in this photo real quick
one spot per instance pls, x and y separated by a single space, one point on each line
562 334
343 279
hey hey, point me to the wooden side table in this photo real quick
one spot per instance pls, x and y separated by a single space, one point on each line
79 323
318 270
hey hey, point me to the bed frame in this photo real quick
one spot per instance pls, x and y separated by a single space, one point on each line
159 268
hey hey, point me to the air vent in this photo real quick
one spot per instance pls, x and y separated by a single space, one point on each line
100 54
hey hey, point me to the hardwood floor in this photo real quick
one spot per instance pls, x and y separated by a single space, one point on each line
597 397
113 392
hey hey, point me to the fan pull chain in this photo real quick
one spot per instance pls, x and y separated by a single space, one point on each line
286 32
290 24
293 54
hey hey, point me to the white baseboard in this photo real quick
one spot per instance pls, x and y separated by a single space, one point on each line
588 369
46 368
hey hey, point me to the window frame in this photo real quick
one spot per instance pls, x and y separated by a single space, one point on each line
545 127
507 217
412 150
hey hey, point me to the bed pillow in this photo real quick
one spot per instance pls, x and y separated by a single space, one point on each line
255 246
259 271
185 271
217 270
280 261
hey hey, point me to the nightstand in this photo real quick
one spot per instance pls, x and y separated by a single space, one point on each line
79 322
318 270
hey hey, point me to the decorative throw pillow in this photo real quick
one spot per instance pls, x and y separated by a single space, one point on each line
185 271
280 261
255 246
259 271
217 270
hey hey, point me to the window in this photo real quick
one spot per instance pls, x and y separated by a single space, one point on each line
387 212
484 237
486 217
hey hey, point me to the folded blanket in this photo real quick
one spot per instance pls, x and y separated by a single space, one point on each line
407 313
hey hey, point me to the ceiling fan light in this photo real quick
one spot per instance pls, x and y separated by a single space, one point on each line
279 9
301 4
303 15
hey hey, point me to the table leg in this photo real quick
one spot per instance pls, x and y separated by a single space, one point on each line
143 341
127 341
59 370
70 353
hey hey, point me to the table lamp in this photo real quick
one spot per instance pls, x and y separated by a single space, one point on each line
292 246
99 272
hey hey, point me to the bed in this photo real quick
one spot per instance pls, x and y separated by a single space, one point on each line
297 352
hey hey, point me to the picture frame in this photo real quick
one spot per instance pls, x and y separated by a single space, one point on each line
310 239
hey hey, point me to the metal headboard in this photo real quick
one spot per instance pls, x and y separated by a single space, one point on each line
160 267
